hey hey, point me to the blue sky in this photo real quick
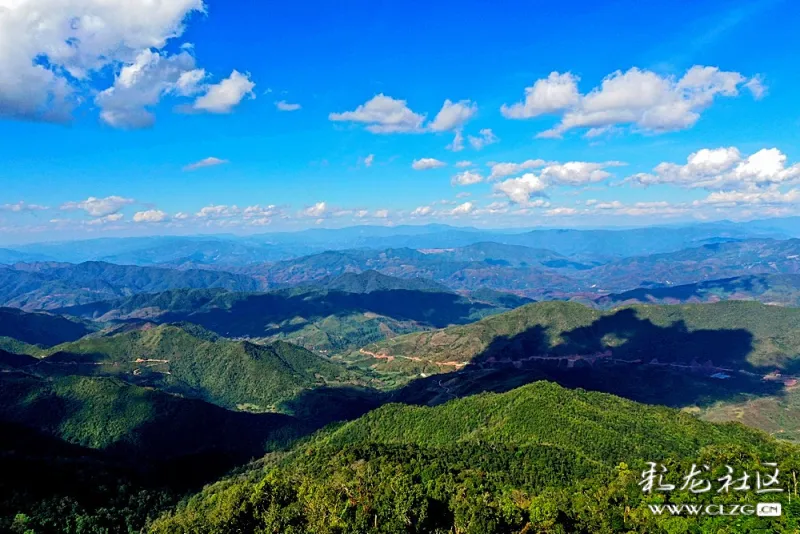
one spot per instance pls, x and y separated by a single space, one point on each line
104 114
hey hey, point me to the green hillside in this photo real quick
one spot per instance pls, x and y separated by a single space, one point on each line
537 459
746 334
201 365
108 414
362 311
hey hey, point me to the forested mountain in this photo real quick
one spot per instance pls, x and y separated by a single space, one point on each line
728 333
55 285
537 459
721 260
195 363
720 360
346 312
41 329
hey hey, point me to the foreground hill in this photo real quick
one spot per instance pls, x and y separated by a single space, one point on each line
195 363
734 333
345 313
537 459
782 289
725 361
55 285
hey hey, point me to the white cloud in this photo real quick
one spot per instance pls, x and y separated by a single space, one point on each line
577 172
368 160
227 94
458 142
107 219
562 211
501 170
463 209
453 115
495 208
181 216
150 216
22 206
99 207
487 137
520 190
423 164
463 164
383 114
381 214
772 197
464 194
283 105
467 178
317 210
555 93
725 169
203 163
141 84
218 212
422 211
573 173
637 97
50 49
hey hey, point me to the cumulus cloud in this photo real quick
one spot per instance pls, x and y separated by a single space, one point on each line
725 169
22 206
368 160
423 164
49 49
561 211
53 51
218 212
141 85
458 142
104 220
573 173
555 93
260 212
226 95
203 163
520 190
381 214
462 209
467 178
501 170
463 164
317 210
453 115
422 211
637 97
150 216
769 197
283 105
486 137
383 114
99 207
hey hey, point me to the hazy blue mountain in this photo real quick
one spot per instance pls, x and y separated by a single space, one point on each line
236 250
55 285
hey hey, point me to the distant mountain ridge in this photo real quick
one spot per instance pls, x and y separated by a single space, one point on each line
54 285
